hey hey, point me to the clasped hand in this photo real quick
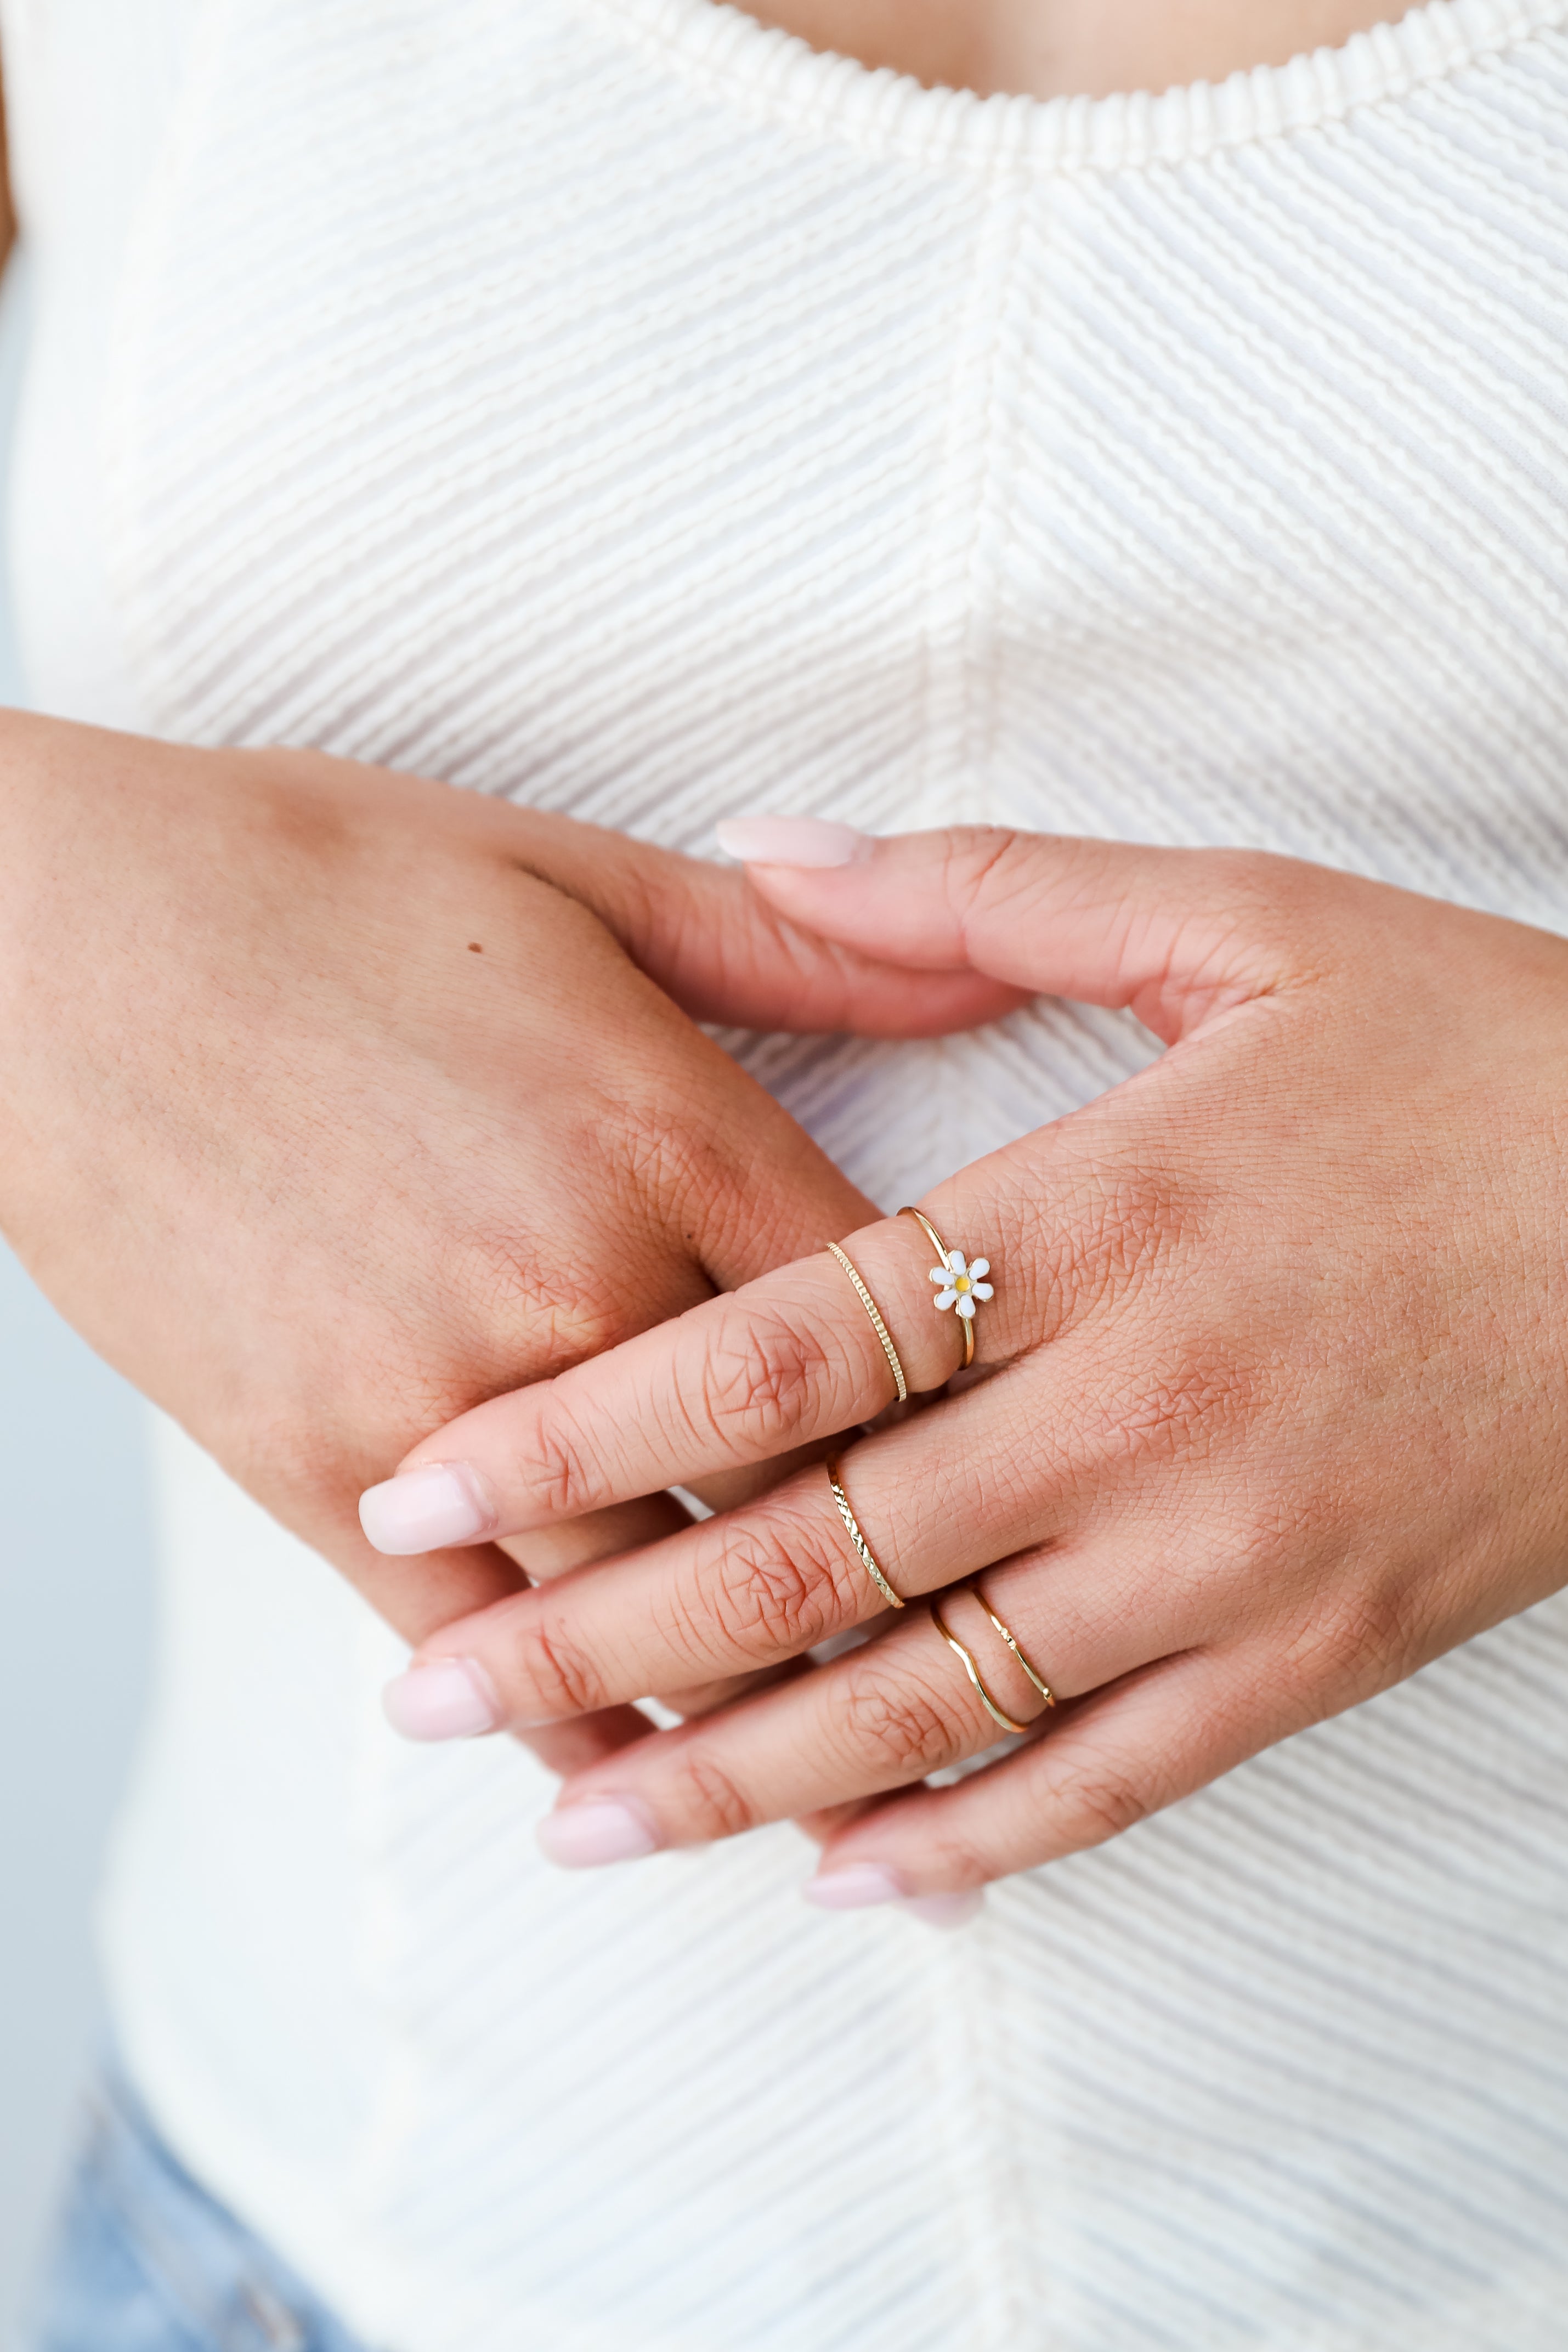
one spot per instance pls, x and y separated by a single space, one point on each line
334 1101
1272 1408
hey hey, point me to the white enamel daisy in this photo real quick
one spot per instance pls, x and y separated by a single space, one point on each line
963 1286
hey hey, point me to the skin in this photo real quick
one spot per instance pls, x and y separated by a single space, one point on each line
1276 1412
129 1043
1047 49
293 1054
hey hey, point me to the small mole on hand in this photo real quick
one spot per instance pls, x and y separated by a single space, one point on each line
475 948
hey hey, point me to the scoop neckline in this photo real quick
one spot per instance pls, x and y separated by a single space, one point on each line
883 110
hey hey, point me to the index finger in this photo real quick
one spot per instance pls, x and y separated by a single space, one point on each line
792 1358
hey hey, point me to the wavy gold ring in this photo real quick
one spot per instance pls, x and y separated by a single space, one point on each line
971 1667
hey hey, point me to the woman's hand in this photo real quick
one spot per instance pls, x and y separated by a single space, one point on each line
328 1112
1277 1407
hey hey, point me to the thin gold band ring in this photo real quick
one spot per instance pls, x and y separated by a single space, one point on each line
852 1529
878 1326
1047 1694
971 1667
940 1246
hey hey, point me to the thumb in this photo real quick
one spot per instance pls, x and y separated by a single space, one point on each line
1176 936
726 953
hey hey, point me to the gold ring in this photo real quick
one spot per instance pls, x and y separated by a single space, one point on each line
972 1669
1047 1694
867 1557
966 1287
878 1326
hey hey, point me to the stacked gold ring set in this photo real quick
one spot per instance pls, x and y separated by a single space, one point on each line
963 1288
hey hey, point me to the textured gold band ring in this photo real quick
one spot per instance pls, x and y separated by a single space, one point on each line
878 1326
866 1557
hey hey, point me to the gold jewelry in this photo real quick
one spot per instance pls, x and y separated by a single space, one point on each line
972 1669
963 1286
851 1525
878 1326
1047 1694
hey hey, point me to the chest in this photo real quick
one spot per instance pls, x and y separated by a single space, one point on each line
1050 47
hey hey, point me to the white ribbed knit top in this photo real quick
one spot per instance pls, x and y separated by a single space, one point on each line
610 403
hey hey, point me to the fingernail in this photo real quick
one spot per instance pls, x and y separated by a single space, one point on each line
420 1510
792 841
946 1910
595 1830
451 1698
855 1887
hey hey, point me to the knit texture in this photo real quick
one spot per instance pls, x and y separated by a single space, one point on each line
609 404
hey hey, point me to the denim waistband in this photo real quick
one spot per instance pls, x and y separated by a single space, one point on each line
143 2259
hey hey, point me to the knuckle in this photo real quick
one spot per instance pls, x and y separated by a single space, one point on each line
1182 1411
1358 1644
538 1321
987 865
1132 1216
956 1861
760 1377
1179 1410
645 1153
1097 1799
556 1467
560 1679
711 1803
1109 1231
892 1720
772 1586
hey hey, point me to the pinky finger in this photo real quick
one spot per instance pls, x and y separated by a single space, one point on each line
1116 1757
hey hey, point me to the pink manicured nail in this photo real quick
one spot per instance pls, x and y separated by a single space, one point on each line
948 1910
598 1829
792 841
854 1887
451 1698
420 1510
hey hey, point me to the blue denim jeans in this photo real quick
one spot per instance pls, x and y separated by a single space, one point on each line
144 2260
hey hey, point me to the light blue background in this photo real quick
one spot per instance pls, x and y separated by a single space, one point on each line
75 1612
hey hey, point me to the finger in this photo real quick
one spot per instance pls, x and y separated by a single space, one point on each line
791 1359
550 1552
564 1749
1117 1758
724 954
567 1748
916 1700
458 1706
417 1597
578 1543
434 1709
1177 936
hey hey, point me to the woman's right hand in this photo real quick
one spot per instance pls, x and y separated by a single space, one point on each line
335 1102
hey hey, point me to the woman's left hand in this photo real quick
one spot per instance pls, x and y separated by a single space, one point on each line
1278 1404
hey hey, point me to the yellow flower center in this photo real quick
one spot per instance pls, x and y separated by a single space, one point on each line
960 1282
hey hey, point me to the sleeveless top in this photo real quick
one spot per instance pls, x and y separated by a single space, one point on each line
611 404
